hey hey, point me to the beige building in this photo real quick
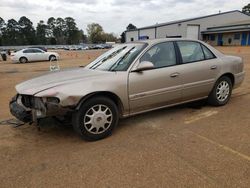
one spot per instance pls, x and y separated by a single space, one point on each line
203 28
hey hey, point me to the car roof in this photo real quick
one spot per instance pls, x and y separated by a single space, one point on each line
155 41
32 49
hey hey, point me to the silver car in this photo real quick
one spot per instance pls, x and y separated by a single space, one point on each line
130 79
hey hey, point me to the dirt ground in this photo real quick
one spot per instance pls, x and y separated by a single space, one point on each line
184 146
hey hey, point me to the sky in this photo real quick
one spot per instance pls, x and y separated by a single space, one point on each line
115 15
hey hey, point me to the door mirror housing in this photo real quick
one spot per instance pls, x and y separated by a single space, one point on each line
145 65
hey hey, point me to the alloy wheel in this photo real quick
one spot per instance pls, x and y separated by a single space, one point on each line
98 119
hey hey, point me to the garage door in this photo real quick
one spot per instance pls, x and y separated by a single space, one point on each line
193 31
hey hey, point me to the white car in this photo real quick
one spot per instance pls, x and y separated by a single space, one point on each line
33 54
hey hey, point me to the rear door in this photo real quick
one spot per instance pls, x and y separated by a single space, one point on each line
158 87
199 70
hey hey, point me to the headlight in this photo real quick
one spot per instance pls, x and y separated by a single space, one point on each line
53 100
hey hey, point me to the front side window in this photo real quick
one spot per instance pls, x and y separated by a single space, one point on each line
190 51
161 55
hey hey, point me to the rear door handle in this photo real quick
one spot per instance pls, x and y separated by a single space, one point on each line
213 67
174 75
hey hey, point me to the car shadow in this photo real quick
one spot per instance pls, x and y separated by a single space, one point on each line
54 129
197 105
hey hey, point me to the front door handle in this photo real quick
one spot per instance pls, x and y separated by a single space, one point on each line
174 75
213 67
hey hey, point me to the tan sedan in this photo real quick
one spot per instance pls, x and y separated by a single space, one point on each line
130 79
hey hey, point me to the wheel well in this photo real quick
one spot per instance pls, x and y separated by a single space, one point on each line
107 94
23 57
52 56
231 76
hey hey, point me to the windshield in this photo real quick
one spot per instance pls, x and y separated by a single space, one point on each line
117 59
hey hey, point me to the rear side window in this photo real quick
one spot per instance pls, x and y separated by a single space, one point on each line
190 51
208 54
37 51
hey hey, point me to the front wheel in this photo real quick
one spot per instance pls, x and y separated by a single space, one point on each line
221 92
96 118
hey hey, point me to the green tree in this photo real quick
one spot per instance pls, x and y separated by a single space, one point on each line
95 33
131 27
41 33
73 34
27 31
123 37
2 27
246 9
50 30
83 37
110 37
59 31
11 34
51 26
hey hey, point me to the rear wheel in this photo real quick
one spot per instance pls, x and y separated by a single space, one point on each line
52 58
23 60
96 118
221 92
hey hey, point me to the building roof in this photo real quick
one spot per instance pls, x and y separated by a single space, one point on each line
185 20
233 27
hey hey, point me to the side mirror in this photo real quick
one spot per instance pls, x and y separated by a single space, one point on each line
145 65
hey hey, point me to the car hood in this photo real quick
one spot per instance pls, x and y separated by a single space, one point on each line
54 79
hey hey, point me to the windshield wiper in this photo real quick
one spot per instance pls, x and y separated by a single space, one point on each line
107 58
114 66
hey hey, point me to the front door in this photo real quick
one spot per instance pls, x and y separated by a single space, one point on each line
158 87
39 55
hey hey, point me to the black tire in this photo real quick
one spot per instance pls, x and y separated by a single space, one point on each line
23 60
80 117
52 58
217 99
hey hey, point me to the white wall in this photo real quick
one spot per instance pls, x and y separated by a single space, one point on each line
169 30
148 32
131 34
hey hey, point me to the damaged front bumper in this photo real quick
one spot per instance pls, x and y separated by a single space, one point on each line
30 109
19 111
